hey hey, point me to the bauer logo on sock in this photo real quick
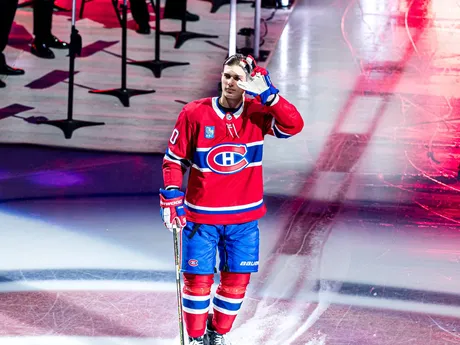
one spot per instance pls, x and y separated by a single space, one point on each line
193 262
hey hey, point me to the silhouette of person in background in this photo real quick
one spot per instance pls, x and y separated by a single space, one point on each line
7 13
44 39
141 16
174 9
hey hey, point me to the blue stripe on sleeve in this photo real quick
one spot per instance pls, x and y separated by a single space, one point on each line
182 161
280 135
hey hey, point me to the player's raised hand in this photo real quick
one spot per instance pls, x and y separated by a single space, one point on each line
172 208
259 84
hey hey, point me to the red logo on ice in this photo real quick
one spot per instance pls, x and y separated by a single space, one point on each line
193 262
227 158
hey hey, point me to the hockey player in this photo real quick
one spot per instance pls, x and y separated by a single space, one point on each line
221 140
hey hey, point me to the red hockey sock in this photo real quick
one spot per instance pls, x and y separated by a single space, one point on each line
196 301
228 299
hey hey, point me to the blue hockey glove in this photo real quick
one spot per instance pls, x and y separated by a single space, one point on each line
259 84
172 208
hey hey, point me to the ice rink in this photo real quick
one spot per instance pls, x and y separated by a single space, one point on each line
361 242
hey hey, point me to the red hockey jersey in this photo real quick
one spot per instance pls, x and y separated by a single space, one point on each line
224 152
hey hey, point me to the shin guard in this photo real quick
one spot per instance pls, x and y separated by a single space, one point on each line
228 299
195 302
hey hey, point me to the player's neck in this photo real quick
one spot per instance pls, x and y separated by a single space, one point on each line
230 103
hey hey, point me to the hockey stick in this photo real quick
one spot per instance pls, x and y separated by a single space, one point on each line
176 234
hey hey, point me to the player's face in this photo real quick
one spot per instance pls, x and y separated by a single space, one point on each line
230 76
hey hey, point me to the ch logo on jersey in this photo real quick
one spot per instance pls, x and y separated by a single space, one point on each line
209 132
227 158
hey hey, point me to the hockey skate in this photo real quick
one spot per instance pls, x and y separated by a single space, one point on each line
214 338
197 341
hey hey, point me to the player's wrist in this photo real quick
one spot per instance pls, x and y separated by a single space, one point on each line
272 100
171 194
172 188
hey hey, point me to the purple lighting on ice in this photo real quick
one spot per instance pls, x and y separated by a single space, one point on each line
56 179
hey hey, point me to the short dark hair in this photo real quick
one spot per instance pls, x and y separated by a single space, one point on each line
247 63
234 60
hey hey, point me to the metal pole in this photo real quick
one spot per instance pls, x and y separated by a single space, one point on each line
157 29
72 53
257 7
232 34
74 10
124 37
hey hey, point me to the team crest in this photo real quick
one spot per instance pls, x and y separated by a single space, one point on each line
227 158
193 262
209 132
